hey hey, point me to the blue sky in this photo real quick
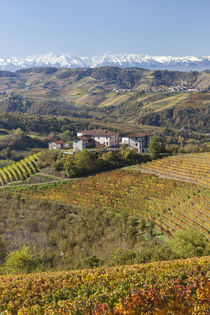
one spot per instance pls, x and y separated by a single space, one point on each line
95 27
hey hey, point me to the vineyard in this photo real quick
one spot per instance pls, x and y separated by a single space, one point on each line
189 167
171 287
20 170
171 204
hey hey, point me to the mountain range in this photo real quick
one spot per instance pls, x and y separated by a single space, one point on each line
187 63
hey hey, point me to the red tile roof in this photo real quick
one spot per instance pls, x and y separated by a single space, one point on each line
99 132
58 142
138 135
85 137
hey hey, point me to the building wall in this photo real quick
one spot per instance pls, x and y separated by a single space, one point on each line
112 142
139 144
125 140
54 146
79 145
108 141
135 144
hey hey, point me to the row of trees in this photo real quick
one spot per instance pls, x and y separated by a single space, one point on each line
85 162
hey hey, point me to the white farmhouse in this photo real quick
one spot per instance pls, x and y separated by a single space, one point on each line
102 137
82 142
55 145
138 141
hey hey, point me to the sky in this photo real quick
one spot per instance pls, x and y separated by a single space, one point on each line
95 27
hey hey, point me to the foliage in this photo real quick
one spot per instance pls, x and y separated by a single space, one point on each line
154 147
69 234
176 287
84 163
21 261
5 153
172 204
119 216
18 140
93 261
190 243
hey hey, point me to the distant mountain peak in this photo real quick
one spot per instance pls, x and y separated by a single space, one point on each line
187 63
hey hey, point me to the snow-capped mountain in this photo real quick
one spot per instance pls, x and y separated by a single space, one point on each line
188 63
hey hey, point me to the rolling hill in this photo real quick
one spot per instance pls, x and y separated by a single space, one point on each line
134 96
121 215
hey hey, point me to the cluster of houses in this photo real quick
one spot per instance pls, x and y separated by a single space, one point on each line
85 139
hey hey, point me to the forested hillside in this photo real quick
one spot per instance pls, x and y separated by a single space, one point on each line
136 96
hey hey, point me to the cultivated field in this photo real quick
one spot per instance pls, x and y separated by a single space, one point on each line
19 171
187 167
171 204
173 287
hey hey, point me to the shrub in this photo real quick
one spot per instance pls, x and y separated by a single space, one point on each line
93 261
189 243
21 261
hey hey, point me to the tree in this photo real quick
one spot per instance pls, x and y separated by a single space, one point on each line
69 166
78 164
83 162
154 147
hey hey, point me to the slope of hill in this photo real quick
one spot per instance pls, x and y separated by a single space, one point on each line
191 168
136 96
126 191
113 215
175 287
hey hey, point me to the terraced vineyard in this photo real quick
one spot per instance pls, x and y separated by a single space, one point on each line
171 287
188 167
184 210
171 204
19 170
